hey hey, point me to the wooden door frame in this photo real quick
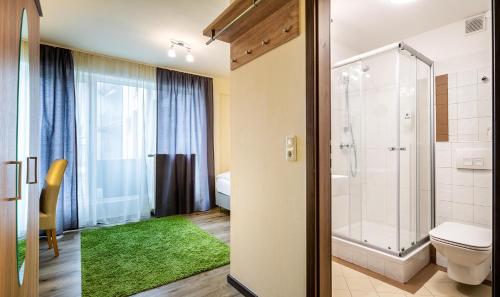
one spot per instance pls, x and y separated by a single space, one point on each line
318 182
495 15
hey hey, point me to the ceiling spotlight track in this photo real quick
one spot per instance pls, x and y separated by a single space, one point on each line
181 44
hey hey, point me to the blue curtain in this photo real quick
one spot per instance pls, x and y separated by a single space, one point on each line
58 128
185 127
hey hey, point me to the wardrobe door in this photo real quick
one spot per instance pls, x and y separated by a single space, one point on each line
19 136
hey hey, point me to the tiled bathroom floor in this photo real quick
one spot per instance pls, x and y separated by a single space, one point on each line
348 282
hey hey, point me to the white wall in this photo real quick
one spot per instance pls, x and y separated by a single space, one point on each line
268 201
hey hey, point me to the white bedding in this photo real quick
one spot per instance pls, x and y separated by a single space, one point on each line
223 183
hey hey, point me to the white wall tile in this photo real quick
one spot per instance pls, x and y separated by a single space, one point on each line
467 110
443 176
453 127
484 108
463 212
466 93
441 219
444 209
485 126
394 271
483 178
468 126
444 192
443 158
452 80
482 215
452 95
359 257
463 194
468 137
463 177
485 137
442 146
484 91
453 111
483 196
376 264
466 78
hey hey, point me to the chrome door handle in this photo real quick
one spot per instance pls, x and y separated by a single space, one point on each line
35 181
19 183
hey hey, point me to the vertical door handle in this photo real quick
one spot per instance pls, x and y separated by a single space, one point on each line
18 183
28 171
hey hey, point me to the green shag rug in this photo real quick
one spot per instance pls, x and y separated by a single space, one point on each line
128 259
21 252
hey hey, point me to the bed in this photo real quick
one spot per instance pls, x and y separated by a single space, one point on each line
223 190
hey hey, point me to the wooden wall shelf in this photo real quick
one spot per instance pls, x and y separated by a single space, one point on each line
262 28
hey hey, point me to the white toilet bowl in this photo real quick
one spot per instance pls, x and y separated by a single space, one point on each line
467 249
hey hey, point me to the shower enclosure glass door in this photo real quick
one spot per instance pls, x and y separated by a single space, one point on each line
381 149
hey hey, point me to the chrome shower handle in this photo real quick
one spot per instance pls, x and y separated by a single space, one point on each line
393 148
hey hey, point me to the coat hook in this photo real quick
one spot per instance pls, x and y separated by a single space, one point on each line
287 29
248 51
265 42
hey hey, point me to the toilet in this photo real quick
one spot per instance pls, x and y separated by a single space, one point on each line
467 249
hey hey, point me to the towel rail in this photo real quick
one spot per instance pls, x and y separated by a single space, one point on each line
215 35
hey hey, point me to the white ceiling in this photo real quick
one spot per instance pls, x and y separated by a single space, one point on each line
138 30
363 25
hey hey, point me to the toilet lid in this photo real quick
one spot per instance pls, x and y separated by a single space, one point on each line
463 234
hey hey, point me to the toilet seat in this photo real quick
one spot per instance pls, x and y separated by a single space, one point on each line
463 235
473 248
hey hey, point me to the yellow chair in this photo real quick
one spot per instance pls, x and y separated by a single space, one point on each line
48 201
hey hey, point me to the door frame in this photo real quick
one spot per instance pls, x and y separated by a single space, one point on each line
318 181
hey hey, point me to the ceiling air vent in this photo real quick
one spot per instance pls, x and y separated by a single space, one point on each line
475 24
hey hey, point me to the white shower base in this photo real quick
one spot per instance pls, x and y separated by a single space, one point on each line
400 269
375 234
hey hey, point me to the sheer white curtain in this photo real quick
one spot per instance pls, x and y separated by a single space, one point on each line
116 128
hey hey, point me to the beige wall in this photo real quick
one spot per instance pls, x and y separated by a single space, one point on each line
268 202
222 125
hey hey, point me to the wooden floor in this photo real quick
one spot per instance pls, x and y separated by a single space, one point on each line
61 277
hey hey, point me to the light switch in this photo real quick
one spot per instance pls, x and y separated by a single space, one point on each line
291 148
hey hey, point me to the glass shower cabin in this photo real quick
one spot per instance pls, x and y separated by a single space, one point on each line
382 149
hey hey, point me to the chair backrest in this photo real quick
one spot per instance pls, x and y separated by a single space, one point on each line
51 187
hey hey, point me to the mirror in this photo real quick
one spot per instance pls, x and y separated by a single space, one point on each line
22 147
